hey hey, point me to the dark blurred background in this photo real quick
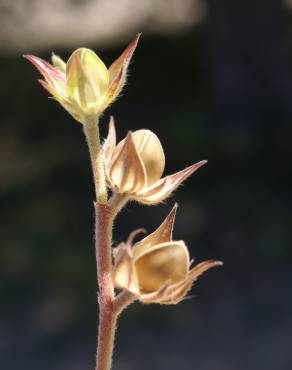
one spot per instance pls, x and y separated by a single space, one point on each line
214 80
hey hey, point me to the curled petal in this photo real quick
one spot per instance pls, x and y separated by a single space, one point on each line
124 273
167 262
110 142
127 172
133 235
161 235
163 188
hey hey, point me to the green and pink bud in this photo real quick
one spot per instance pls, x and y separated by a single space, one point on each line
84 86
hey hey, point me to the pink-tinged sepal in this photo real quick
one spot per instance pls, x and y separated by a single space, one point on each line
163 188
124 59
54 78
45 68
118 70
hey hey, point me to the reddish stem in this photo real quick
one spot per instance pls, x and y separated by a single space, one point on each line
107 316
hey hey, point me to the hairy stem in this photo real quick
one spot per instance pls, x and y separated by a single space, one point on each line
91 132
105 212
107 314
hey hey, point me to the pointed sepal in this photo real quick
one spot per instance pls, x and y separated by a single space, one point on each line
162 234
163 188
118 70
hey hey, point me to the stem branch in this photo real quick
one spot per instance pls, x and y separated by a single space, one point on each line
122 300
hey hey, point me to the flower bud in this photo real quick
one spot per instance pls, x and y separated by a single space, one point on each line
84 86
87 81
135 165
157 269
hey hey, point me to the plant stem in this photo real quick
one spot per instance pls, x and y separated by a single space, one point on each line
107 315
103 239
105 212
91 132
106 338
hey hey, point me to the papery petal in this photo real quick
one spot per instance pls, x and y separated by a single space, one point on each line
110 142
163 188
124 273
167 262
54 77
151 152
161 235
127 172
